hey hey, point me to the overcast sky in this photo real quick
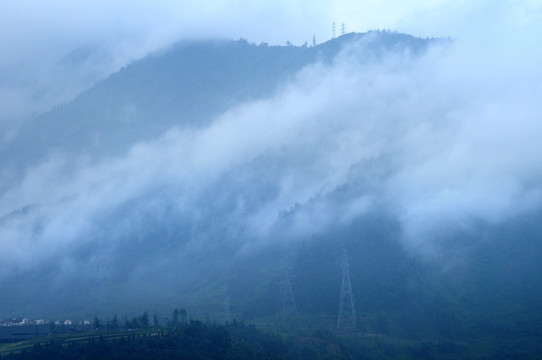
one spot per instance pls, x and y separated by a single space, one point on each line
33 26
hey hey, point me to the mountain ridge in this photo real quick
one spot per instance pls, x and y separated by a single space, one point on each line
166 89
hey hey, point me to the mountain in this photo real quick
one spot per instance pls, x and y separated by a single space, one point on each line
202 171
186 85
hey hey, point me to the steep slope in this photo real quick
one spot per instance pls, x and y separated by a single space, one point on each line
123 245
186 85
203 170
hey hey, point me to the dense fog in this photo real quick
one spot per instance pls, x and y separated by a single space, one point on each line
444 141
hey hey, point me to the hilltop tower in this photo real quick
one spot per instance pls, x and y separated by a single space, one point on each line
347 309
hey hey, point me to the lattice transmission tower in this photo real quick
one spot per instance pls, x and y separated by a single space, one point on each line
101 273
286 307
227 312
347 309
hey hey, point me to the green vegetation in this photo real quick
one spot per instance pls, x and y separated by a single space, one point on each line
477 297
198 340
194 339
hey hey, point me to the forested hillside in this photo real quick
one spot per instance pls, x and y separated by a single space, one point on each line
198 174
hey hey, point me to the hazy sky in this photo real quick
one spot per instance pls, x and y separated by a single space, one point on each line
32 26
36 35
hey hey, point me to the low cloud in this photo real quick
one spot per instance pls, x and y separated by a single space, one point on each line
440 142
56 50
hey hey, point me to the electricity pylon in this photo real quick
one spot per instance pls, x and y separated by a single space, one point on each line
227 313
101 276
343 29
333 30
347 309
286 306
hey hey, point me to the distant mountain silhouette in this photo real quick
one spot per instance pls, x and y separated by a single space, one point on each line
185 85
